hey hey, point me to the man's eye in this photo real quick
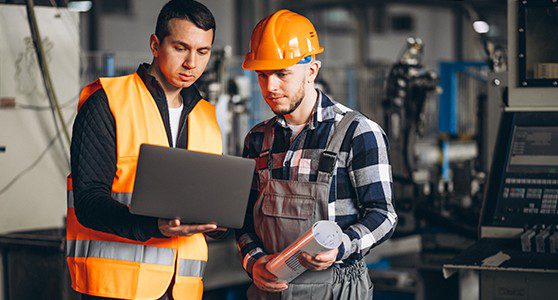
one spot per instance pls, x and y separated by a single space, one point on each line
203 52
180 49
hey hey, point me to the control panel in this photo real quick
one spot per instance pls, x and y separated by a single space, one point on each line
524 192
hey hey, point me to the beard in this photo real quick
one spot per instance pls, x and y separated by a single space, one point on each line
294 102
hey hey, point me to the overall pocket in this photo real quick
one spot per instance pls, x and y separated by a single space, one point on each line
284 219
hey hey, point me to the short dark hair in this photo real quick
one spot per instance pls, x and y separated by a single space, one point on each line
188 10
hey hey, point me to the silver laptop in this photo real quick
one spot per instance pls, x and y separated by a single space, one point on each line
192 186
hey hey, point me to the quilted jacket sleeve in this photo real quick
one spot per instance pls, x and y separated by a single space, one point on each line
93 163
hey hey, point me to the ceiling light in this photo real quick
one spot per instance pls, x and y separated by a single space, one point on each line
481 26
80 6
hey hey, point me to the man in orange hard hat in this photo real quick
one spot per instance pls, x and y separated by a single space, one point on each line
315 160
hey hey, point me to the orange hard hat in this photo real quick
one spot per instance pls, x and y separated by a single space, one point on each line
280 41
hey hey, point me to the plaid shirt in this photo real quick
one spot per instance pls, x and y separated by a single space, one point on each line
360 198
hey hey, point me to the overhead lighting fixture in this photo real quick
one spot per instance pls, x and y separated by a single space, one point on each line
80 6
481 26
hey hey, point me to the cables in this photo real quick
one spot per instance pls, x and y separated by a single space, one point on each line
68 104
30 167
54 105
36 161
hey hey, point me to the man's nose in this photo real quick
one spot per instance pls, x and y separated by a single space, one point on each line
191 61
272 83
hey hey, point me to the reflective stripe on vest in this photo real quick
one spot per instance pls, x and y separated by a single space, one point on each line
120 251
124 198
191 268
70 199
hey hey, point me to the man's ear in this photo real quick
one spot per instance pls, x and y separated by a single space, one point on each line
313 68
154 45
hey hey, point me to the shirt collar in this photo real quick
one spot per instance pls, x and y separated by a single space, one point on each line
323 112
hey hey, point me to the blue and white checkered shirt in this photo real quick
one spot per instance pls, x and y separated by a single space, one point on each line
360 198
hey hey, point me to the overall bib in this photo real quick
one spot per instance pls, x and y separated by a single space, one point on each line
285 209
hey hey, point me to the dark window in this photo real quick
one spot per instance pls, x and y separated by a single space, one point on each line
402 23
121 7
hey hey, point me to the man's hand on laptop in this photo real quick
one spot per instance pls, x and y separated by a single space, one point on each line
174 227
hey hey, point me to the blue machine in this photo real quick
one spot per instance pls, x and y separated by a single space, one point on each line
448 111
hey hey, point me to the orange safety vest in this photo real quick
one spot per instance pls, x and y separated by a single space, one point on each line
106 265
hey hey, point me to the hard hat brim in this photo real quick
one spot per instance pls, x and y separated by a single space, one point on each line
266 65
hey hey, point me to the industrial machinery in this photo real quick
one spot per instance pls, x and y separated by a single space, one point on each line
430 228
407 86
438 152
425 159
516 255
518 252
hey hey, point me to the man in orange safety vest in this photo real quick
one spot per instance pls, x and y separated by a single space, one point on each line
112 253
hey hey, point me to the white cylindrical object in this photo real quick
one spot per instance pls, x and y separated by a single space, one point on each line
321 237
429 154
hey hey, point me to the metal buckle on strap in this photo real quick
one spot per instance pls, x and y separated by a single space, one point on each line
327 162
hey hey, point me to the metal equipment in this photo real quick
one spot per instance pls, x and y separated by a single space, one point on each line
425 158
516 254
520 210
407 86
34 265
439 166
433 211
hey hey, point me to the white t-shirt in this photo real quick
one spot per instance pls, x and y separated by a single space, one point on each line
174 118
296 129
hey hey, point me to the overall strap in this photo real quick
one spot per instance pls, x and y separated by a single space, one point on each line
265 154
328 159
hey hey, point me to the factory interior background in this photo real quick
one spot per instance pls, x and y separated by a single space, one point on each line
466 92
